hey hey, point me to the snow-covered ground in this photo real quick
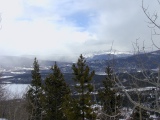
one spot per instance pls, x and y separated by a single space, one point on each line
100 73
16 90
140 89
18 72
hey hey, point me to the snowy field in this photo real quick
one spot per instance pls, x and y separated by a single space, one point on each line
15 90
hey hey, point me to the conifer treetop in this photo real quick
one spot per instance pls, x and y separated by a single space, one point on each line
36 77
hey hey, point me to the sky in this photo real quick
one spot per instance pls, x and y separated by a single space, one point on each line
58 28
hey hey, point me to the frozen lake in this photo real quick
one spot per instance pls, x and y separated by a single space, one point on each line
16 90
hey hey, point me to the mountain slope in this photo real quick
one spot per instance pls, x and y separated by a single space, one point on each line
150 60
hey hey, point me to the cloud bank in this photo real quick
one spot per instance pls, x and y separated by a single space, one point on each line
58 28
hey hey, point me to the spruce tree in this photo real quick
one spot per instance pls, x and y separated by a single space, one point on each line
83 77
109 97
56 92
33 95
70 109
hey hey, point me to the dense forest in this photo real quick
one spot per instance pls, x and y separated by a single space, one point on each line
51 97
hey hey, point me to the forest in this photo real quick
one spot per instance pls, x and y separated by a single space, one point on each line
53 98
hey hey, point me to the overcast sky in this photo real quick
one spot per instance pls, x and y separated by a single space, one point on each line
72 27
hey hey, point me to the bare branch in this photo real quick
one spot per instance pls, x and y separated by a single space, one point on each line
152 20
138 104
153 41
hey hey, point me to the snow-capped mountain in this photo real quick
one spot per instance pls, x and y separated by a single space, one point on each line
107 55
147 61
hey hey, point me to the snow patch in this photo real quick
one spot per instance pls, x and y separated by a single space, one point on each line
6 77
18 72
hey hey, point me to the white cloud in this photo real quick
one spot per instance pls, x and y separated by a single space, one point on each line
41 27
39 3
41 37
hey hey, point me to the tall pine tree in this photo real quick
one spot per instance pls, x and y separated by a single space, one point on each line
83 78
109 97
33 95
56 92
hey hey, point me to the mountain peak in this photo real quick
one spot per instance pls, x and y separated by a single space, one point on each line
107 55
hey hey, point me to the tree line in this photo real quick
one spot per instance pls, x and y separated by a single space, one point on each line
53 99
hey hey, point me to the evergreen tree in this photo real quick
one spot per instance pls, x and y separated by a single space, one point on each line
56 92
33 95
109 97
83 78
70 109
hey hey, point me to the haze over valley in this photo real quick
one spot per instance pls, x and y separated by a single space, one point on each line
18 69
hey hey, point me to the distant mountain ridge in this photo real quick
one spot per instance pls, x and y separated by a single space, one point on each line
96 61
107 55
149 60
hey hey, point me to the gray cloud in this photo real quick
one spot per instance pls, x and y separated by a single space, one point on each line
48 28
